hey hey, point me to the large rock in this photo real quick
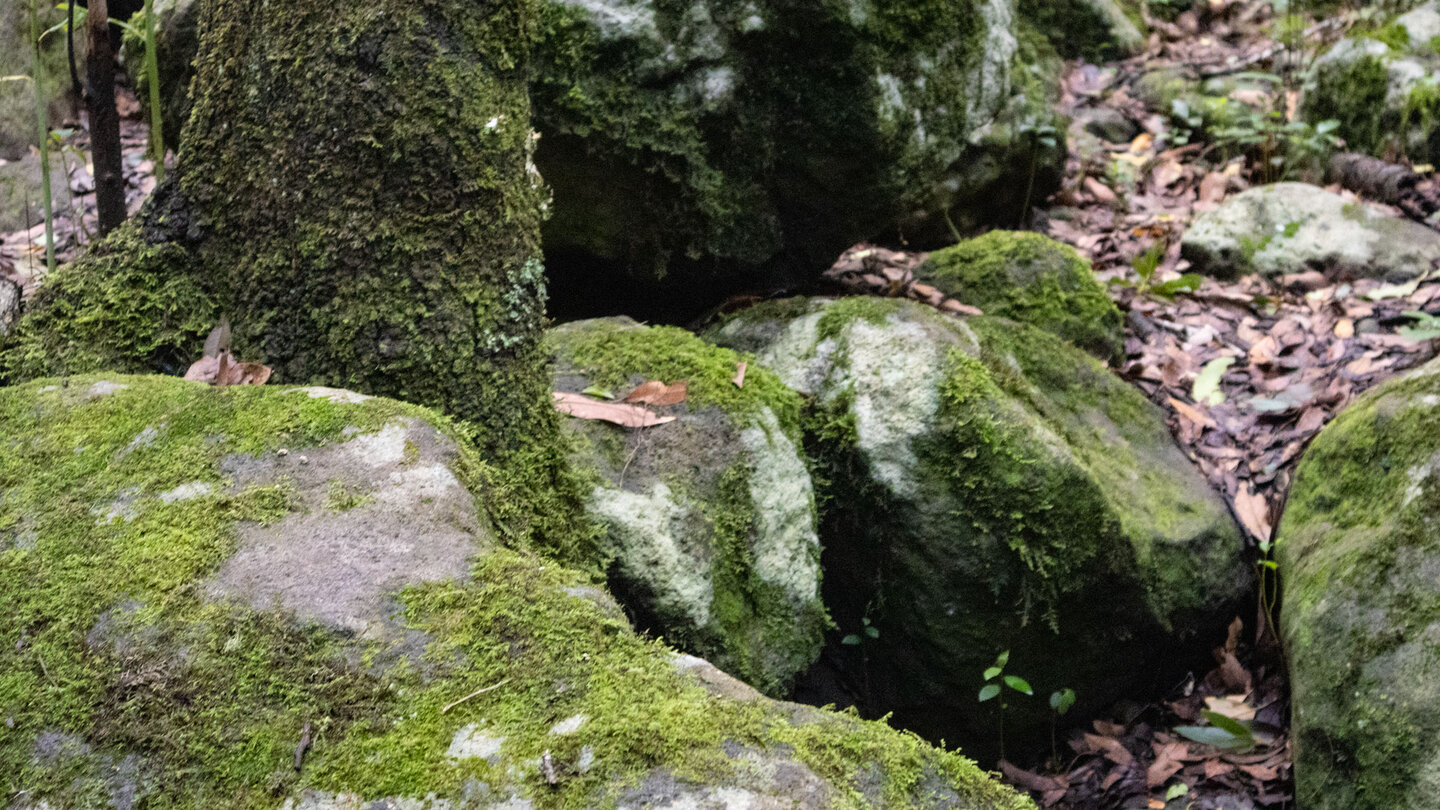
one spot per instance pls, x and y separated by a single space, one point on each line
1293 227
709 520
993 488
711 143
1033 279
289 598
1380 87
1359 553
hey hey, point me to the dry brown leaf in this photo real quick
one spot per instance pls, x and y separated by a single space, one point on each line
1028 779
1167 763
1212 187
1235 676
1141 143
951 305
222 370
619 413
1263 773
1215 768
739 378
1098 190
1192 413
655 392
1254 512
1155 804
1231 706
1111 748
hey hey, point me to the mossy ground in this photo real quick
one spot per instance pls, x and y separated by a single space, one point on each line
107 639
1029 278
1358 531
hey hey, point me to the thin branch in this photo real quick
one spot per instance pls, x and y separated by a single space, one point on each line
476 693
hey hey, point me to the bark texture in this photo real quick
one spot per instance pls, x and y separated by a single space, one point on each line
355 193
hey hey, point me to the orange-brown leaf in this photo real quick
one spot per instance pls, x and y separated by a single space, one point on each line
655 392
619 413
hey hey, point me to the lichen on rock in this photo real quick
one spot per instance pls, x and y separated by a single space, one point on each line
1030 278
709 521
991 487
1357 548
147 658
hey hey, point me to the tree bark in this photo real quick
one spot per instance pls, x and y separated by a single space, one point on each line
354 192
104 120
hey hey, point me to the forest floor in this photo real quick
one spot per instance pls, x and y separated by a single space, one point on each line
1283 358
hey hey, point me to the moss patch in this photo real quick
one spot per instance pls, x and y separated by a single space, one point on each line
1030 278
117 673
1358 548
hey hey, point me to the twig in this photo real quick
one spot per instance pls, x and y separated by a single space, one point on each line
476 693
303 746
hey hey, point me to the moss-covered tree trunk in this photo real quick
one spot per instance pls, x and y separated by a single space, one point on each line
355 193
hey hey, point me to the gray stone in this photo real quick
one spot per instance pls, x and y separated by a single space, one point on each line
991 488
9 305
350 586
710 519
1293 227
22 197
1107 123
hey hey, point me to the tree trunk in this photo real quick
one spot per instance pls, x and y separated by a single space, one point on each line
104 120
354 192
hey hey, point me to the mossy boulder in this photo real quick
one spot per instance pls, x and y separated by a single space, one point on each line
1033 279
990 488
1359 554
709 520
266 597
1096 30
1289 227
1380 86
712 143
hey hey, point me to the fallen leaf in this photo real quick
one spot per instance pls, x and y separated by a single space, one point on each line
655 392
1206 390
1192 413
1141 143
739 378
1344 328
1111 748
619 413
1254 513
598 392
1028 780
1212 187
1232 706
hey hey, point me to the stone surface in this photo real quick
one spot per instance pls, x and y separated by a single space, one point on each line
9 305
709 520
991 488
1033 279
1380 86
426 665
707 143
1295 227
22 195
1359 553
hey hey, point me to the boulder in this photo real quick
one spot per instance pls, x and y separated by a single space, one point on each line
709 521
991 488
1380 86
1097 30
711 145
1359 554
1293 227
282 597
1033 279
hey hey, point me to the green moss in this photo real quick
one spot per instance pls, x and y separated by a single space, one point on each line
1357 531
105 637
1353 94
84 533
1030 278
1080 29
341 499
861 307
616 358
1393 34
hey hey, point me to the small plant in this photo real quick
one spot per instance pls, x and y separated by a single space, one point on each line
1060 702
142 27
1426 327
1147 264
855 639
995 683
